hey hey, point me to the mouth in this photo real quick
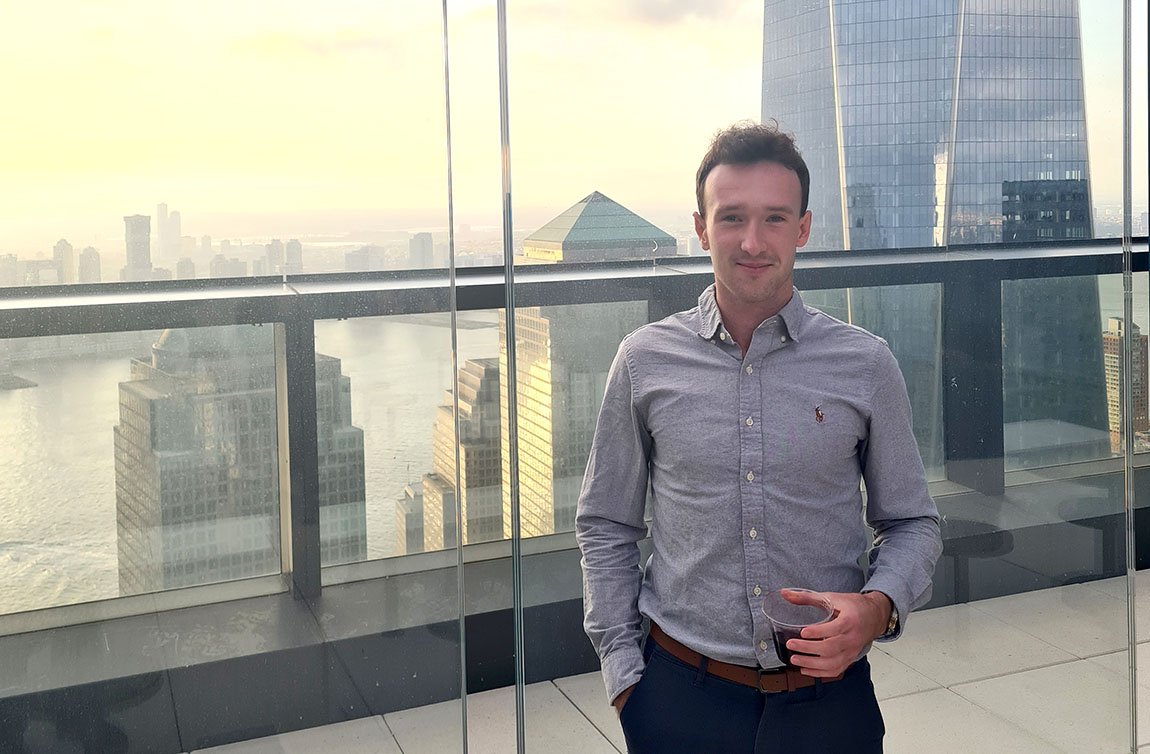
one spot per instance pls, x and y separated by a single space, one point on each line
753 266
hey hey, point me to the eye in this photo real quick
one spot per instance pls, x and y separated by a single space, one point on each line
729 219
776 219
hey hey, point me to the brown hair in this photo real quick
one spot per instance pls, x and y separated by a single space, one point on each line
746 143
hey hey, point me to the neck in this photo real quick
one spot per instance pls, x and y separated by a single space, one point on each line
741 320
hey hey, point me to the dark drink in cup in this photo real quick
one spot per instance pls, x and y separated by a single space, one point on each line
788 619
781 636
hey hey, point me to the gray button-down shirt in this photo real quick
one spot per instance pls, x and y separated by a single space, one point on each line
753 465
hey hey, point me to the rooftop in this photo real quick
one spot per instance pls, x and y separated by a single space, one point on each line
596 220
1036 673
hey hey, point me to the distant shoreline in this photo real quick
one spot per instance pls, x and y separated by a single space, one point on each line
440 319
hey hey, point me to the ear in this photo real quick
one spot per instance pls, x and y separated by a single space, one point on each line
804 229
701 231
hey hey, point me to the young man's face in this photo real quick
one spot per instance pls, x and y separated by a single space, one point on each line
752 228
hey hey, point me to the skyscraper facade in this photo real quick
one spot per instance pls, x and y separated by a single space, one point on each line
480 471
1045 210
294 263
912 113
185 269
919 121
274 254
420 251
89 265
1140 396
197 473
409 521
138 245
174 230
65 262
561 362
598 229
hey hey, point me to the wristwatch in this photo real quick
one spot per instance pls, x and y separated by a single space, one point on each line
892 624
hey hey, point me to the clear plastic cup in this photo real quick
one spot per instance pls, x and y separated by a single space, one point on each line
788 619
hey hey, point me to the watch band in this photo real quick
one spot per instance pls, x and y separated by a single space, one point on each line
892 624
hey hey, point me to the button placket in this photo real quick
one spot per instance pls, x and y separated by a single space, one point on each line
751 440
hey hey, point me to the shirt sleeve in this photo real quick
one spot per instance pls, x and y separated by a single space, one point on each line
899 508
608 526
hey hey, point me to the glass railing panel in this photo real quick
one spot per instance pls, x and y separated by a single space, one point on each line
909 318
1061 372
1036 158
245 143
139 462
1111 315
391 415
603 159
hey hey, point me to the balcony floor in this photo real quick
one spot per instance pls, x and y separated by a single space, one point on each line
1034 673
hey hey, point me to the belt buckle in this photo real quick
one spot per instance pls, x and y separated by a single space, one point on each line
771 672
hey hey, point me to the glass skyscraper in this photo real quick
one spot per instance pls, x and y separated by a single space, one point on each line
924 124
912 113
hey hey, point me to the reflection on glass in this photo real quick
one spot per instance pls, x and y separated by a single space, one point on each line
197 472
400 370
1111 310
187 418
1054 381
909 317
562 359
479 465
59 399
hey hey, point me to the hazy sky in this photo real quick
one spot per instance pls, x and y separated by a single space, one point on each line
229 106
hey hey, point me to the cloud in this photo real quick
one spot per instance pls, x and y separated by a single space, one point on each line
669 12
651 13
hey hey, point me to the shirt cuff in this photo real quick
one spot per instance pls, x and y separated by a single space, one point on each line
899 596
622 669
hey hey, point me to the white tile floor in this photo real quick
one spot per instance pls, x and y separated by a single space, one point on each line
1043 672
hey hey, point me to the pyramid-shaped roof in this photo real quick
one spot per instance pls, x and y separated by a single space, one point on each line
596 221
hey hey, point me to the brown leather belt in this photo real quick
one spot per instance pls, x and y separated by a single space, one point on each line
768 681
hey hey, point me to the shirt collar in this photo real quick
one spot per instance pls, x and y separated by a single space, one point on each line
710 319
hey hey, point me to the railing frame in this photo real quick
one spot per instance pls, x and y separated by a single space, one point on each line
970 277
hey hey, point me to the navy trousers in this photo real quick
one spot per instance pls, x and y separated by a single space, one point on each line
680 708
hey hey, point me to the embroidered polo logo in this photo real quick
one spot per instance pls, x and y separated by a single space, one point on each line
819 414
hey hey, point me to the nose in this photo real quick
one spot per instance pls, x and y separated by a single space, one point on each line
754 239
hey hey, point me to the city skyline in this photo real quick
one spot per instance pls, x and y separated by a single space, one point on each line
240 98
560 369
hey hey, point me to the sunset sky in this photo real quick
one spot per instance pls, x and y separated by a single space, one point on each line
111 106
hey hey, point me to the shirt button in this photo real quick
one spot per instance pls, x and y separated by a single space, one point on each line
757 591
722 336
783 339
753 533
750 476
750 369
750 421
762 645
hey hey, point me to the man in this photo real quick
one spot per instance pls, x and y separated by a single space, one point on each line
751 418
